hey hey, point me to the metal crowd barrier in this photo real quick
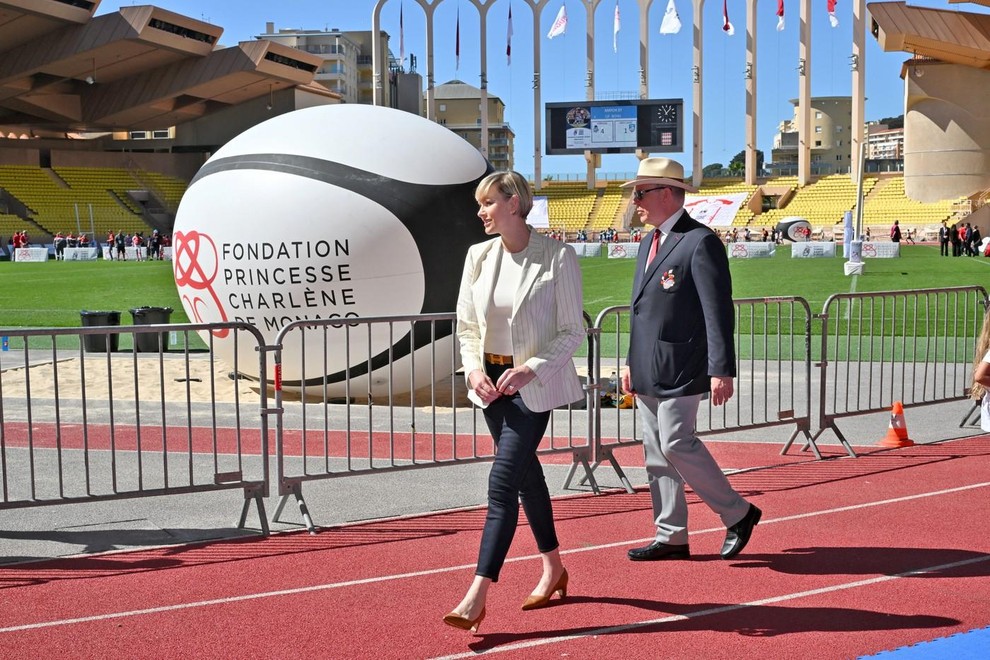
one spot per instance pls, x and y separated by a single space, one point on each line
411 413
914 346
83 421
772 384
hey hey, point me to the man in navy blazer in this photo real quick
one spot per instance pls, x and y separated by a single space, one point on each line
681 351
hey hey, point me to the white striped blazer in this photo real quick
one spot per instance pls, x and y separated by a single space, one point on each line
546 325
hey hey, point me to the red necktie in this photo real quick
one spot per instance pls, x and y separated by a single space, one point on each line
654 245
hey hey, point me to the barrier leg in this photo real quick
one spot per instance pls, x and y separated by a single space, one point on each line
842 439
809 442
254 493
971 417
295 489
607 456
581 458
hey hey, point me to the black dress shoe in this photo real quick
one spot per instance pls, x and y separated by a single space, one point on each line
659 550
738 535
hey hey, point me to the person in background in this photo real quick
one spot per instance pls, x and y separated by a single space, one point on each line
519 321
681 351
943 240
59 243
138 242
980 390
121 242
895 232
974 242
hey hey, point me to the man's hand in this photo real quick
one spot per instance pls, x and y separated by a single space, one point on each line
625 381
721 389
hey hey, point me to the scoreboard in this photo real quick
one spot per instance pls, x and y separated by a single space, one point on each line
613 127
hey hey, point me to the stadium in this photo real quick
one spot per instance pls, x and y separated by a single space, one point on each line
317 392
79 155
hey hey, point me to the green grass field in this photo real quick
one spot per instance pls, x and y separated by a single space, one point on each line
607 281
52 294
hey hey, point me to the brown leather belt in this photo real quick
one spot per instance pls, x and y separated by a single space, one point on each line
501 360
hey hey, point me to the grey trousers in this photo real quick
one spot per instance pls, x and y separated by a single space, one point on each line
675 456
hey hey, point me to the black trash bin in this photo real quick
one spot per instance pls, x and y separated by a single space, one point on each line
98 343
147 342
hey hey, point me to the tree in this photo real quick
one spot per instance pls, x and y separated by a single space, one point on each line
893 122
713 169
738 162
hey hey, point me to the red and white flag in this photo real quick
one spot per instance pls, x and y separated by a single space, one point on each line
615 29
559 26
831 14
726 25
671 23
780 15
508 39
457 42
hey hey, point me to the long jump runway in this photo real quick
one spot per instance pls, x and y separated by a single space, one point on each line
852 557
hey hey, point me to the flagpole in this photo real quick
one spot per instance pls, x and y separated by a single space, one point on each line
537 8
750 76
591 158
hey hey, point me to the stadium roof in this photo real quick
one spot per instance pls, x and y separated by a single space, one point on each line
946 35
62 69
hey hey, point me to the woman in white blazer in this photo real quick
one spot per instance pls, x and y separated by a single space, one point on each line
519 321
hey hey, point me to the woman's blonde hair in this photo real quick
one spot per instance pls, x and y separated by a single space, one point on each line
982 346
507 184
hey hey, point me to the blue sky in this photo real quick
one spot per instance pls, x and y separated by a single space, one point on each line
563 58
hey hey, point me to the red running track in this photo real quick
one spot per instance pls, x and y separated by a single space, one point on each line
853 556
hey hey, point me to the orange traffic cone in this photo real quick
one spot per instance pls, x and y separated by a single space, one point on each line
897 434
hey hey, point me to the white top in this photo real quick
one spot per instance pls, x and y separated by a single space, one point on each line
498 339
985 403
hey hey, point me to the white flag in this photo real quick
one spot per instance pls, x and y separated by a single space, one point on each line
671 21
559 26
615 29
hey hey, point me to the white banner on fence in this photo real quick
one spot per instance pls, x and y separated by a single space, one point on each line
751 250
539 215
587 249
622 250
812 249
883 250
714 210
31 254
79 254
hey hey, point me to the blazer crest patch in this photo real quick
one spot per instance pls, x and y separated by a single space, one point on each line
667 279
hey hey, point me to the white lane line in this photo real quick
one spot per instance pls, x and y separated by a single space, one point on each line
715 610
451 569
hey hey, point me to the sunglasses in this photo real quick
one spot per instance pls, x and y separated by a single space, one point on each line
639 194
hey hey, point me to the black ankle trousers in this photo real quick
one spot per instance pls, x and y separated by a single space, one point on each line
516 475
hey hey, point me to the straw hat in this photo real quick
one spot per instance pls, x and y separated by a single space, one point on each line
660 172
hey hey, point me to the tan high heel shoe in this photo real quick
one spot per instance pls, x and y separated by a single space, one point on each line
535 602
458 621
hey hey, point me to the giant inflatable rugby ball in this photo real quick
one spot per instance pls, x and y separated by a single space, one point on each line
332 212
794 228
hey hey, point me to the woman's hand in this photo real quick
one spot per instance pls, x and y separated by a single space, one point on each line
483 386
512 380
